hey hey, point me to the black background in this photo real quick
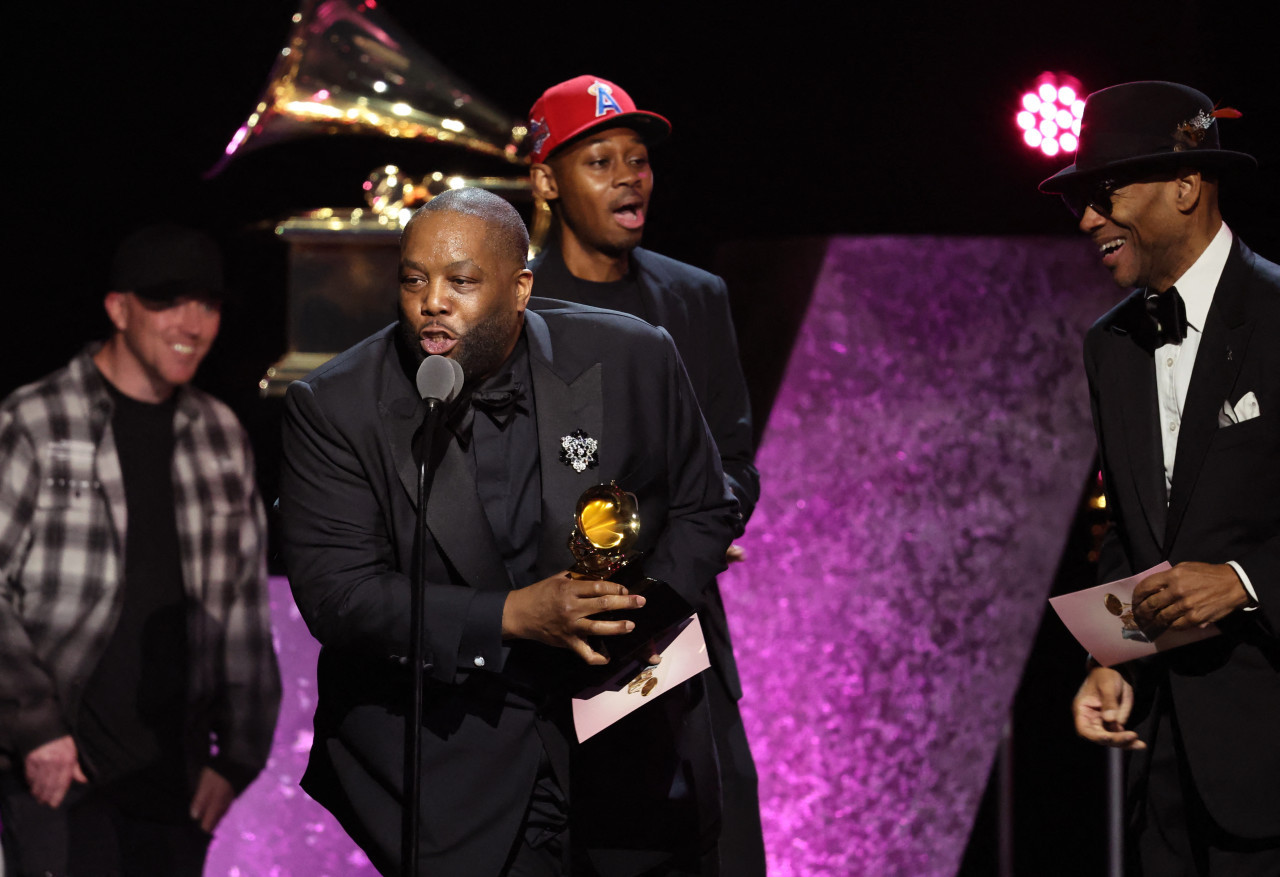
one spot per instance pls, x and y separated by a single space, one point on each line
806 120
882 118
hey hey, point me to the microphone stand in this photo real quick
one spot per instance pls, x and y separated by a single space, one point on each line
432 385
413 722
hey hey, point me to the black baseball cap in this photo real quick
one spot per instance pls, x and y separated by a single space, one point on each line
163 263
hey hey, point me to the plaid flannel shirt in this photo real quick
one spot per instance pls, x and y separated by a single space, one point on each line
62 537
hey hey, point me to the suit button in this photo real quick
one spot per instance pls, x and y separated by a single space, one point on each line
479 661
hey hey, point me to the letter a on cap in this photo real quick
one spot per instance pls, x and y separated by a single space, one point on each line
604 98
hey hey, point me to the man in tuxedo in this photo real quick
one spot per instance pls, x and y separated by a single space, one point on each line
591 166
1184 377
554 402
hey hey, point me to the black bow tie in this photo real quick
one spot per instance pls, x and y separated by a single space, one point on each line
499 399
1168 316
499 402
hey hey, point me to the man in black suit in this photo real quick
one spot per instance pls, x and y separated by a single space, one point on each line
555 401
1184 377
591 166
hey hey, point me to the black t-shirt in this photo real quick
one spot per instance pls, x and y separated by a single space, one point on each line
130 723
616 295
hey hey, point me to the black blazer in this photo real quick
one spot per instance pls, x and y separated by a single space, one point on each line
1224 505
348 493
693 306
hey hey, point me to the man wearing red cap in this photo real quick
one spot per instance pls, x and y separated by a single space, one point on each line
1184 378
591 166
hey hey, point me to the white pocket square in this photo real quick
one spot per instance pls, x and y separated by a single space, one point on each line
1245 409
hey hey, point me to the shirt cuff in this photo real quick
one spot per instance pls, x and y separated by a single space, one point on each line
1248 586
481 646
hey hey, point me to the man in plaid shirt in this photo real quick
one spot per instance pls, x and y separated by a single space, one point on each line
138 683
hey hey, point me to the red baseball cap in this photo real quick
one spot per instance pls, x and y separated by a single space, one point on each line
581 105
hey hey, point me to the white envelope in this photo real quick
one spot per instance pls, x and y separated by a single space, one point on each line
1101 621
684 657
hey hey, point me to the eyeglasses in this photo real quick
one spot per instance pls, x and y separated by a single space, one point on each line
1097 195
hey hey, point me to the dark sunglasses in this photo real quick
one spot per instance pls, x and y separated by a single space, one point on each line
1096 195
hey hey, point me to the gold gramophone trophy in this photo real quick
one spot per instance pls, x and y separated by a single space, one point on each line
607 524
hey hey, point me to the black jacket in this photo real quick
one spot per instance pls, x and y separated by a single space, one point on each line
348 491
693 306
1224 505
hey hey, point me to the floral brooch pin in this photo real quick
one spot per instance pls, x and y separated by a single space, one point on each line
579 451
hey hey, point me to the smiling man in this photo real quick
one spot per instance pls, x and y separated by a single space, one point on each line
507 790
1184 377
133 604
591 166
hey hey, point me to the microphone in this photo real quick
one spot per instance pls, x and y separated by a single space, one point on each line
440 379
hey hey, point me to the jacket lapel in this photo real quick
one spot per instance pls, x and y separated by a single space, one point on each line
458 524
1223 348
455 517
655 297
1129 367
402 412
565 404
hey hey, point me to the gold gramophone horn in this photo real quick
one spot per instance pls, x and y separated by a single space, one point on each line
607 524
347 68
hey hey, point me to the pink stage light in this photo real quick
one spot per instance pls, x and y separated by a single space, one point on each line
1049 113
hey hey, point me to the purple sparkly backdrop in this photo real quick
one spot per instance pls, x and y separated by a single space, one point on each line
921 467
275 829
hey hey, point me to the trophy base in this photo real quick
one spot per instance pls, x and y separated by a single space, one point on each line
663 609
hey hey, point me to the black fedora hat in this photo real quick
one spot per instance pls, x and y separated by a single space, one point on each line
1146 124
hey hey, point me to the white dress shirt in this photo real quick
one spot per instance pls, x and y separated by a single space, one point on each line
1174 362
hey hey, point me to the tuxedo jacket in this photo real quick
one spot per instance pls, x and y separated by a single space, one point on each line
348 497
693 306
1224 505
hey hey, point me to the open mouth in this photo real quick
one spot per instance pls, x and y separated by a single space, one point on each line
630 214
1108 250
437 342
184 349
